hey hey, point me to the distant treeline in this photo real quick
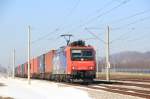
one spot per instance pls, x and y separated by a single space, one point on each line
128 61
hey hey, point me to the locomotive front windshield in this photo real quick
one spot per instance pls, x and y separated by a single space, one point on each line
82 54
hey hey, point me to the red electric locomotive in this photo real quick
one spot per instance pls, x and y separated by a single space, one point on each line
75 61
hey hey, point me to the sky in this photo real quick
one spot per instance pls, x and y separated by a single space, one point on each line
129 22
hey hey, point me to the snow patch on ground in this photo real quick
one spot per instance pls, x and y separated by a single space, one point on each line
19 89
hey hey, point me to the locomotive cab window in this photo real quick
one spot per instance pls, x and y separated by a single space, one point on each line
82 54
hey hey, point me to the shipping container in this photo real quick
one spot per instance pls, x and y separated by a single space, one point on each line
32 66
25 69
59 61
36 66
41 60
22 70
48 61
19 72
16 71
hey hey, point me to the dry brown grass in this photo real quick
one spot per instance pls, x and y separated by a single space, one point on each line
125 76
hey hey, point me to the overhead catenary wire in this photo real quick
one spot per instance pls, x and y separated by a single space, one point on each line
116 39
108 11
134 40
69 14
89 38
127 25
54 38
131 16
44 36
102 14
107 4
59 27
73 8
120 37
138 38
134 22
67 17
94 35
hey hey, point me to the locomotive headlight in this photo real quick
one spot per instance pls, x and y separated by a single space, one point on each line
73 67
91 67
82 59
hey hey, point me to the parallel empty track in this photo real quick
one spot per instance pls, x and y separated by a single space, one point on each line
141 90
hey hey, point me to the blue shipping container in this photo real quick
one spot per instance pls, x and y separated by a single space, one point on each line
59 62
22 69
41 63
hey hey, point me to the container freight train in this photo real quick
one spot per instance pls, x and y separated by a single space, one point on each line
75 61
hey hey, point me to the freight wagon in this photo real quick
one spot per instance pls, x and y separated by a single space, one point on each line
36 72
19 71
25 69
41 60
49 64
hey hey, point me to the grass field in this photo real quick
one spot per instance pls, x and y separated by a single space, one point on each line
124 76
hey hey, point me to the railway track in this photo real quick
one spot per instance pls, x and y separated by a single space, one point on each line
137 80
138 89
126 88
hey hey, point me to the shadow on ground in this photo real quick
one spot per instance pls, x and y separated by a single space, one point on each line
1 84
6 97
98 82
105 82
